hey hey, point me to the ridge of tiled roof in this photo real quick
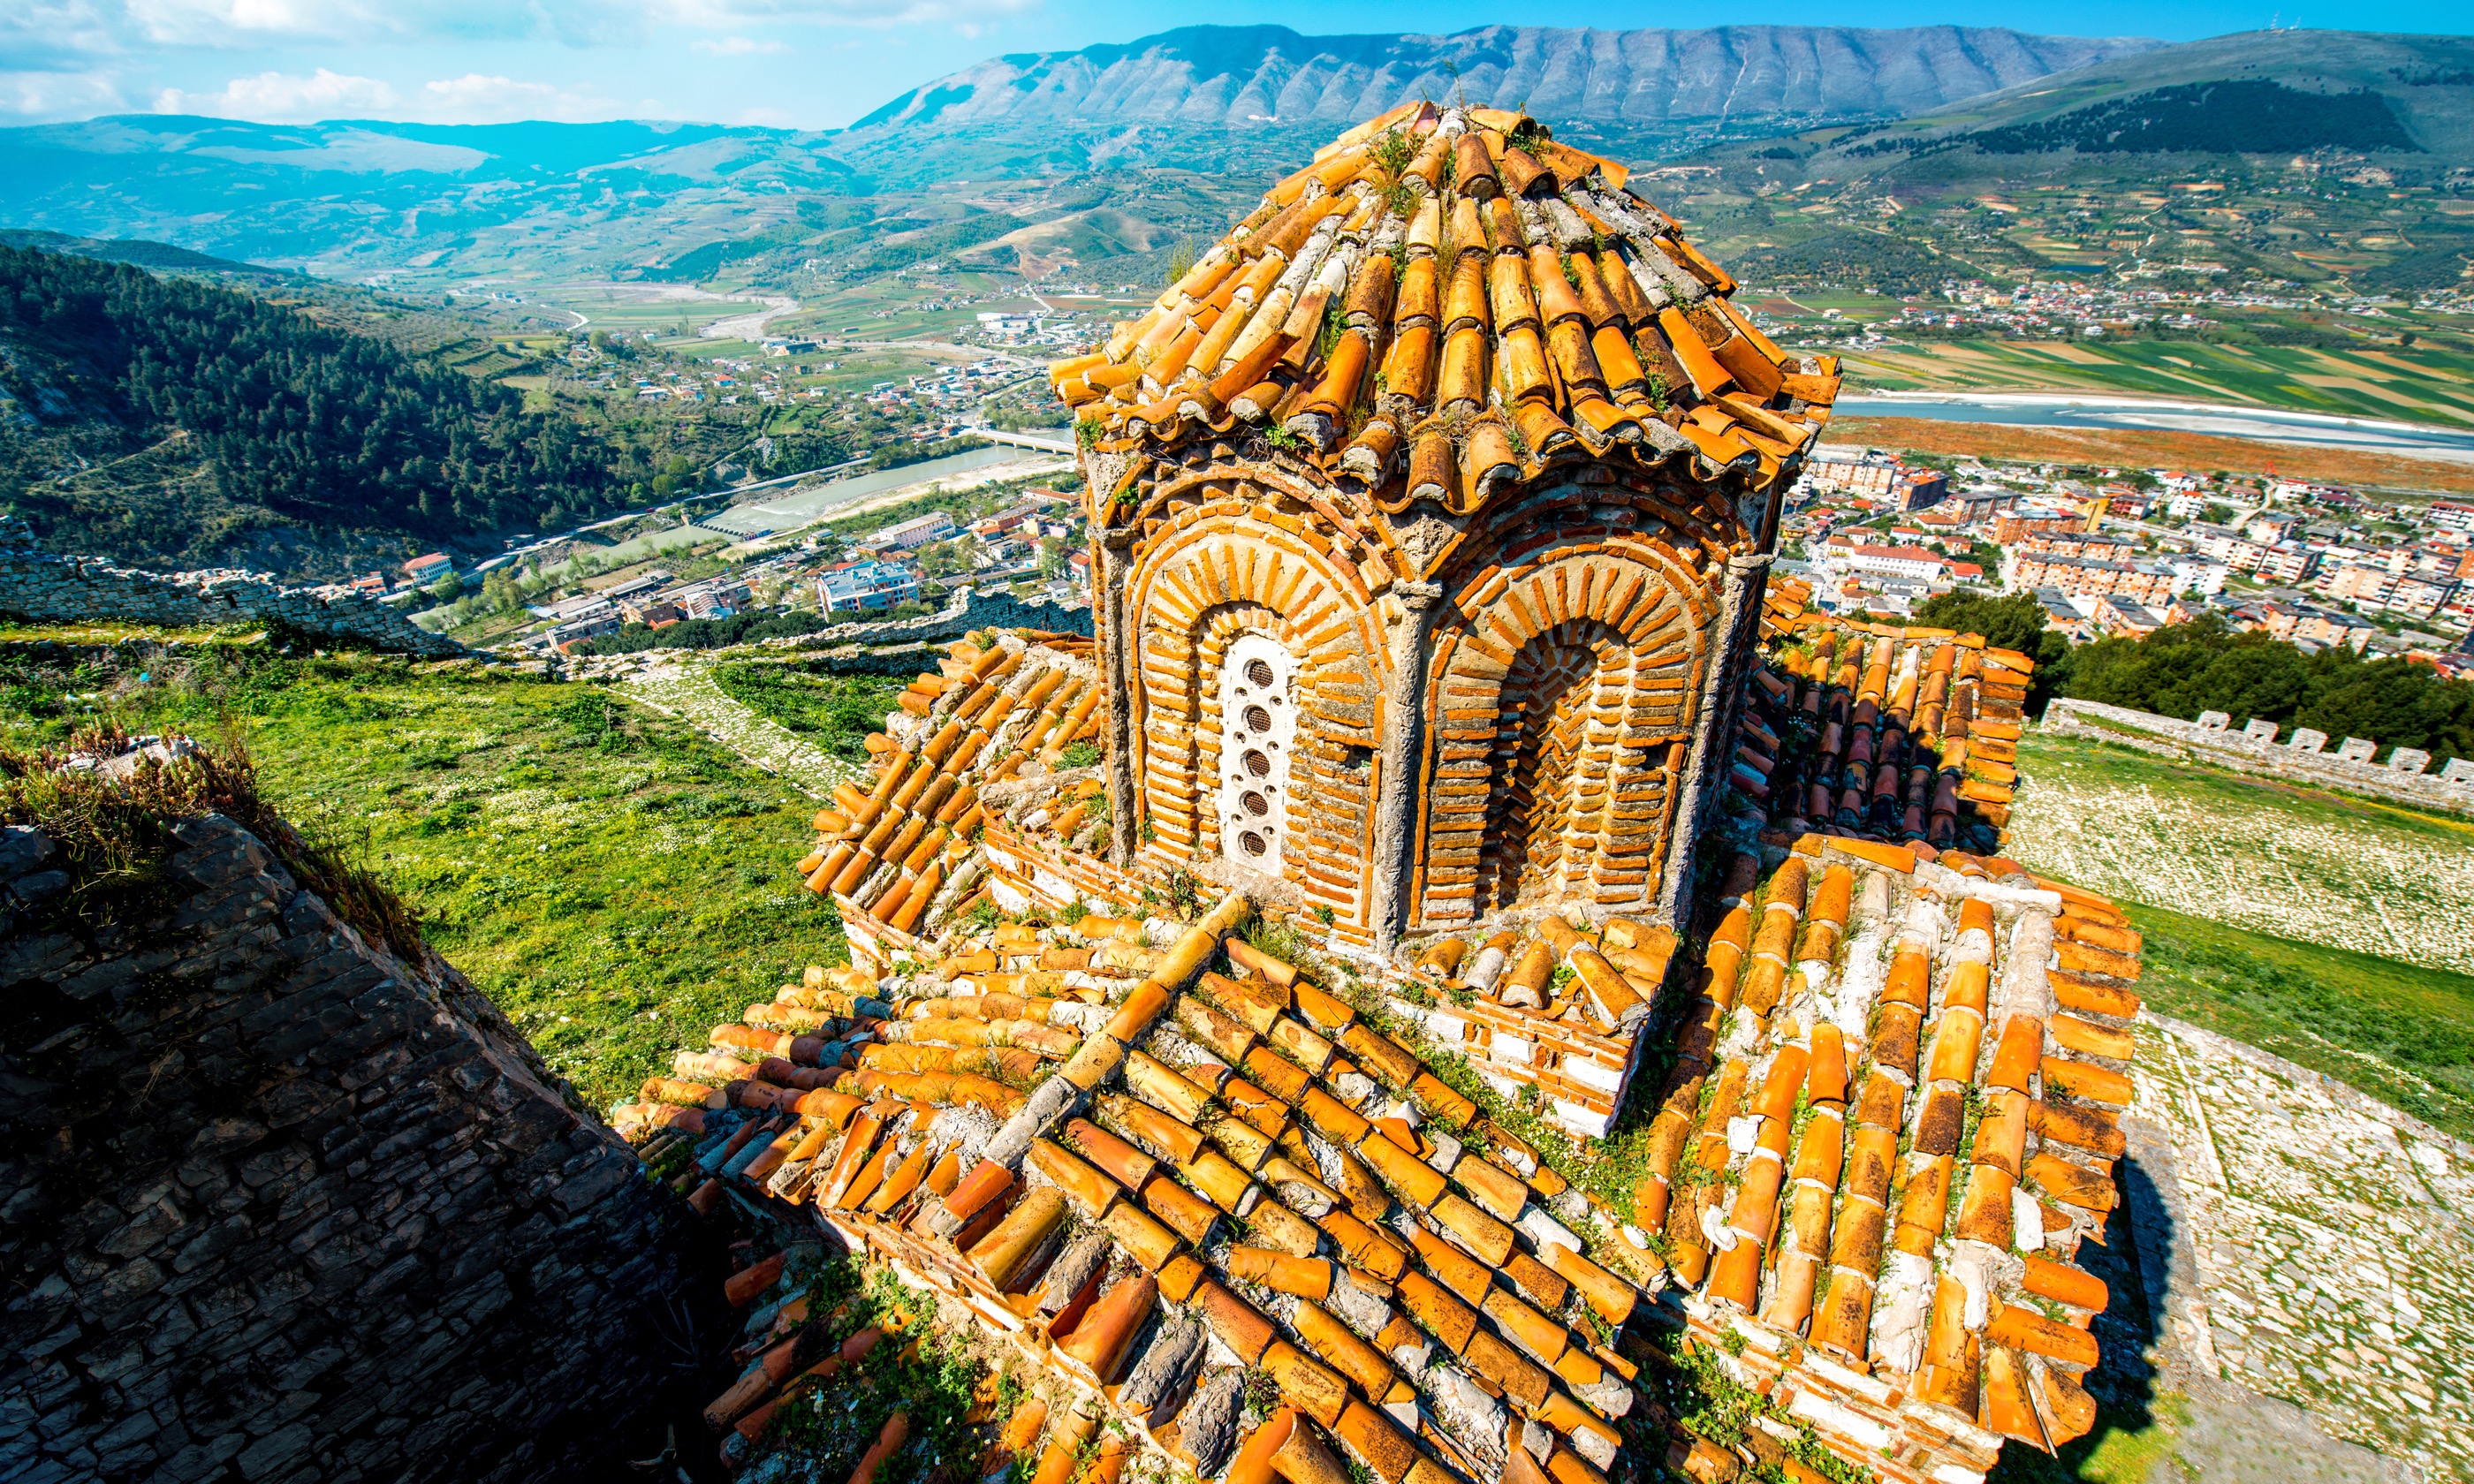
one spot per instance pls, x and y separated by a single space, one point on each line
1448 301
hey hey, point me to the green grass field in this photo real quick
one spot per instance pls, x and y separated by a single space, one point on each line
2416 384
2399 1032
614 882
2335 932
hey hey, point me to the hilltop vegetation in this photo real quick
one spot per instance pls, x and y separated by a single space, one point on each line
265 415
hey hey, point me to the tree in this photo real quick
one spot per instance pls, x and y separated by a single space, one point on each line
448 589
2205 666
296 415
2016 622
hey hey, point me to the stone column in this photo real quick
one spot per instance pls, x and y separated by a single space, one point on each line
1714 734
1119 666
1404 733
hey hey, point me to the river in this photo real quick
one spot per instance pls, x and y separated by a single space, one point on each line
2264 425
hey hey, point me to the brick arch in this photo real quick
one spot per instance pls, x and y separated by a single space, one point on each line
1538 770
1218 570
1626 610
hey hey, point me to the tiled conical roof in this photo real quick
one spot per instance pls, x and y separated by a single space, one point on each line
1447 299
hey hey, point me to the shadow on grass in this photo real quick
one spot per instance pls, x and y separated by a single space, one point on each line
2137 1417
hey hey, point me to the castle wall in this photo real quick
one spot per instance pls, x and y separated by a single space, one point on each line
277 1206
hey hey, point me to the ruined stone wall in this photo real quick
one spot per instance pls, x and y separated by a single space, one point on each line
2168 736
87 590
968 609
277 1206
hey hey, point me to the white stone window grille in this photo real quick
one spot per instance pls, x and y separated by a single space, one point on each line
1258 725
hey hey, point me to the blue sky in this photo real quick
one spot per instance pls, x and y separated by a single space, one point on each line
808 63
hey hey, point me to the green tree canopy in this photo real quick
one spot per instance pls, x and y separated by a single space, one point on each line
2206 665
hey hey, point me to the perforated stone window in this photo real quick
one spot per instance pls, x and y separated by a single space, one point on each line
1258 730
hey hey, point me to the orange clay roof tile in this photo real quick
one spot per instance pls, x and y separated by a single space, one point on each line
1509 218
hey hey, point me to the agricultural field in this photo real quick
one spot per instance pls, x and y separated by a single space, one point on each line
615 882
638 310
2337 933
2411 384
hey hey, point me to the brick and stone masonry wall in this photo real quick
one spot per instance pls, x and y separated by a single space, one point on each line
277 1206
50 588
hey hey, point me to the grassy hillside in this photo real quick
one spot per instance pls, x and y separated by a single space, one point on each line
2337 933
613 881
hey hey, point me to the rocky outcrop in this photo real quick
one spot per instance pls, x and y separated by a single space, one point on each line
276 1203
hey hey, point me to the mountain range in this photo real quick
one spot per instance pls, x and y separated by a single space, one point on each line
1117 154
1634 92
347 197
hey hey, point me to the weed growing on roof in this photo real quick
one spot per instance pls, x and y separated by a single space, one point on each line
932 1377
1078 754
1087 431
1653 387
1287 442
1394 152
1279 939
1335 321
1709 1404
1261 1391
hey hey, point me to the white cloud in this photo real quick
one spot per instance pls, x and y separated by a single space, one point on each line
279 97
58 94
474 98
73 58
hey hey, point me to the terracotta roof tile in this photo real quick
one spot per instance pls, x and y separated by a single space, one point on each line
1509 307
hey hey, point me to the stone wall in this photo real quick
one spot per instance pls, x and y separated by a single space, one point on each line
2256 751
968 609
275 1204
48 588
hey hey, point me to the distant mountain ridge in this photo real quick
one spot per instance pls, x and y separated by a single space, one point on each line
1619 81
1229 101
